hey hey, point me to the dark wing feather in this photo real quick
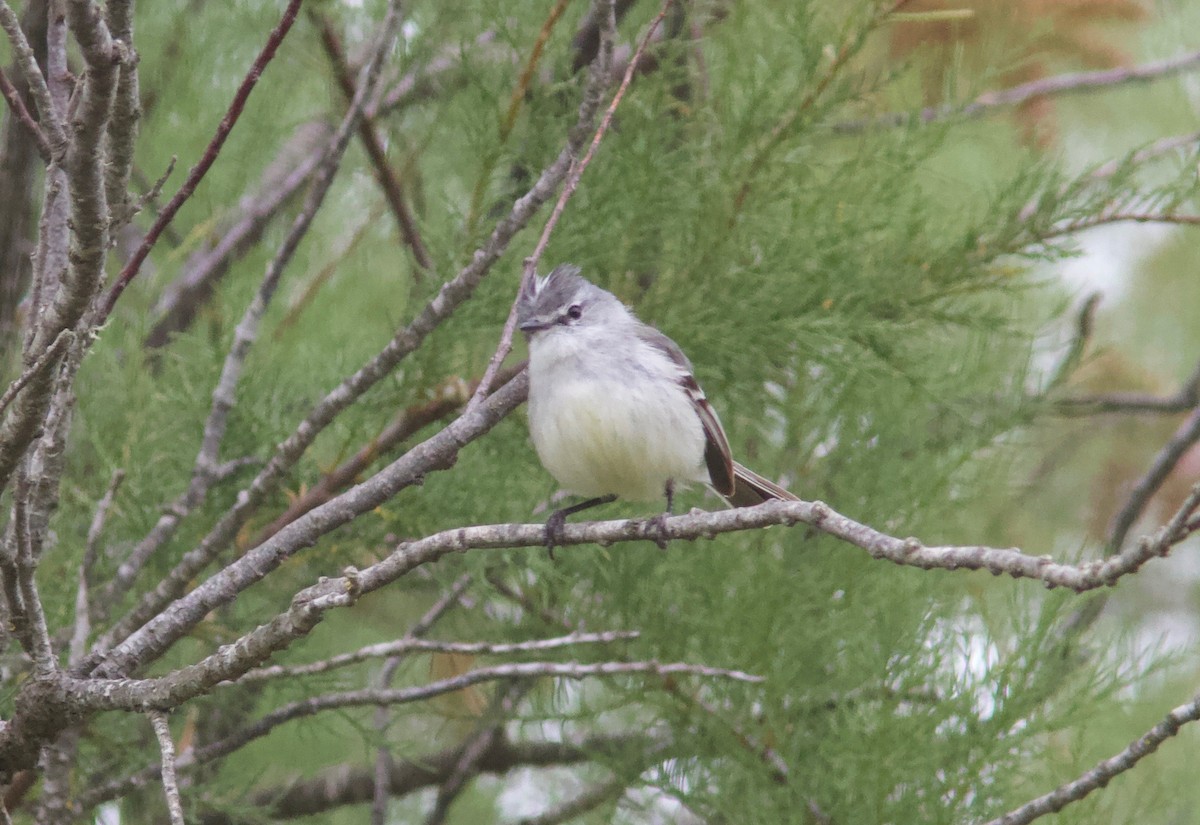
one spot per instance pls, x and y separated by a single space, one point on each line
717 455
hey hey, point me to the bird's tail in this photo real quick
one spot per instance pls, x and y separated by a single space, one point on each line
750 488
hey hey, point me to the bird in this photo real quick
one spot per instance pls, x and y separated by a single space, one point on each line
615 410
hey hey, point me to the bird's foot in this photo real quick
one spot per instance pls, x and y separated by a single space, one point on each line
659 525
555 526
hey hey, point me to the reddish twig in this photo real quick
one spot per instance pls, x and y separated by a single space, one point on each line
22 114
133 266
392 189
572 182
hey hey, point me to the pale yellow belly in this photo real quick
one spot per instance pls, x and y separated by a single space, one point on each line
626 439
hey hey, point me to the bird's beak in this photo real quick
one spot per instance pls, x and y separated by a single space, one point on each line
532 325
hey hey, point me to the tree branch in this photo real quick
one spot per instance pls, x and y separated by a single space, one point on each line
452 294
130 271
1099 776
351 786
166 747
190 291
27 62
411 644
148 694
393 190
1070 83
450 396
475 747
1187 397
167 625
83 607
17 105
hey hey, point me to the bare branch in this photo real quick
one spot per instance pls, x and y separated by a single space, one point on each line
49 117
449 397
283 179
452 294
17 105
126 117
1103 773
605 11
146 694
83 608
344 785
1164 462
37 368
1071 83
1104 218
166 746
475 747
1186 398
198 171
588 800
36 635
393 190
415 645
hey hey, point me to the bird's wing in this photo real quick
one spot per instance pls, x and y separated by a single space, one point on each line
717 455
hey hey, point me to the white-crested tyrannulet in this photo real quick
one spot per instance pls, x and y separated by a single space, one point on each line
614 409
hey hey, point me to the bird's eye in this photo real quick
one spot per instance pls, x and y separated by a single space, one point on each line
575 312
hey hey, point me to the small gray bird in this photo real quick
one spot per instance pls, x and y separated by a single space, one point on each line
614 409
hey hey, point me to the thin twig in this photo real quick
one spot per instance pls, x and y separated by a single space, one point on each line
1043 87
345 785
1106 218
588 800
450 396
393 189
1187 435
411 644
83 609
1103 772
529 270
50 118
105 694
1185 398
452 295
22 115
166 745
476 746
383 757
39 366
130 271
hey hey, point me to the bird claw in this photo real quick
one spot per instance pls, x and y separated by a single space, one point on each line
659 525
555 526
